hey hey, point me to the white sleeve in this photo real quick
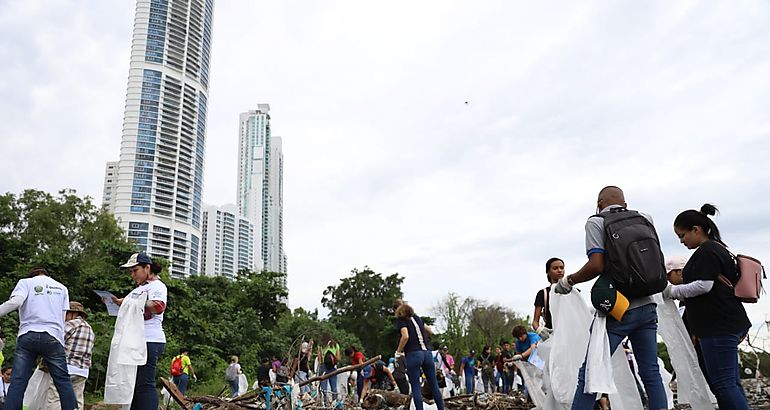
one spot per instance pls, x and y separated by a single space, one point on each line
692 289
12 304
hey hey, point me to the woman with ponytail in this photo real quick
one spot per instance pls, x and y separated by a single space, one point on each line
716 317
145 272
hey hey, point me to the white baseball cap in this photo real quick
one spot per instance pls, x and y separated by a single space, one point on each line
675 262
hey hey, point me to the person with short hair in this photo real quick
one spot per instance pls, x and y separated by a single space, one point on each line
5 384
145 272
42 303
181 381
414 344
468 370
525 342
376 376
639 315
356 358
714 315
554 270
78 346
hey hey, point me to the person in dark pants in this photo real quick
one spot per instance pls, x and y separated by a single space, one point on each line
414 344
145 272
42 303
716 318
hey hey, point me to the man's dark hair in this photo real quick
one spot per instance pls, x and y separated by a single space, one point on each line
518 331
184 350
38 270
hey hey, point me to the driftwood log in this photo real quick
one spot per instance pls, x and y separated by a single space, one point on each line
341 370
382 399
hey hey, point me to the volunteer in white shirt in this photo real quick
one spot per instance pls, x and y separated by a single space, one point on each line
145 274
42 303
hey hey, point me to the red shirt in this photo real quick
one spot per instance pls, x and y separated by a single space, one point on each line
358 358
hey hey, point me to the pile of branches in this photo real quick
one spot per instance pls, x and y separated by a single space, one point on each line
494 401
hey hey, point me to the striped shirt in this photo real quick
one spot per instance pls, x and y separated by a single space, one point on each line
78 343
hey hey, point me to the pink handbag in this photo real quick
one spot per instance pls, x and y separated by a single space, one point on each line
750 274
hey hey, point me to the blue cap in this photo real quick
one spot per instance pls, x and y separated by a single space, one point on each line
136 259
367 371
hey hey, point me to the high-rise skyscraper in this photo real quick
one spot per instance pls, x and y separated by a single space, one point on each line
228 242
110 184
160 172
260 186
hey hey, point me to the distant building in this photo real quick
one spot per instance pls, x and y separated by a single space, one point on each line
228 242
160 172
260 187
110 183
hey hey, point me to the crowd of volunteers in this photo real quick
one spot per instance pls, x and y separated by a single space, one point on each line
55 342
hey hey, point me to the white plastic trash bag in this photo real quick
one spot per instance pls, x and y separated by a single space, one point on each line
272 376
598 368
691 384
243 384
534 359
37 390
627 395
533 378
571 321
128 350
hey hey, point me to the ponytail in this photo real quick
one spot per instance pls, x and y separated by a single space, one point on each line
691 218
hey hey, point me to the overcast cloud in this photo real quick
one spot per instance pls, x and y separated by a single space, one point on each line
460 144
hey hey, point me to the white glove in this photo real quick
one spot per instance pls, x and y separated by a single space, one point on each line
397 354
667 292
517 357
562 286
195 377
544 332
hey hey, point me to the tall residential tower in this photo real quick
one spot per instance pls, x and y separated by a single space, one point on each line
160 172
260 186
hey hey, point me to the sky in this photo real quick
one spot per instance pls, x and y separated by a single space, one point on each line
458 144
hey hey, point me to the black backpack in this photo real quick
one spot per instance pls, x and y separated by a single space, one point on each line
329 359
633 259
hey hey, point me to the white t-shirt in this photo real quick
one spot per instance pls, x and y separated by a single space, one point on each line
45 303
153 327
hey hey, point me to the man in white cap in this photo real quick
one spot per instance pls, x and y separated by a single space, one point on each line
41 302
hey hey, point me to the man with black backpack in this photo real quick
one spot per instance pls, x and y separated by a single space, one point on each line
624 250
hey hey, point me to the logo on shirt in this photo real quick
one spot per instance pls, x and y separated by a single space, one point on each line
39 290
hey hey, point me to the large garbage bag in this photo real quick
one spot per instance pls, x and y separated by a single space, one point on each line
128 350
37 390
692 386
571 321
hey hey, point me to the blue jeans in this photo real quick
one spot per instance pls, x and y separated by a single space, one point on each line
720 355
423 360
181 382
234 387
299 377
29 347
332 380
145 392
640 325
470 382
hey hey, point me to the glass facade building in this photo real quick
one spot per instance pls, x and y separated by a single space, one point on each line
260 187
158 194
228 242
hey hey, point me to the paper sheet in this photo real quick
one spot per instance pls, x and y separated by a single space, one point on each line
112 307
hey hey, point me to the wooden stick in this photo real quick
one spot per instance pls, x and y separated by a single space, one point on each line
175 393
338 371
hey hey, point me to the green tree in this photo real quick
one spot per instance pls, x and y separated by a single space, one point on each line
361 304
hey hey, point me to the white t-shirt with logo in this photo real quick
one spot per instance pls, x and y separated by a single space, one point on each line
46 301
153 327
